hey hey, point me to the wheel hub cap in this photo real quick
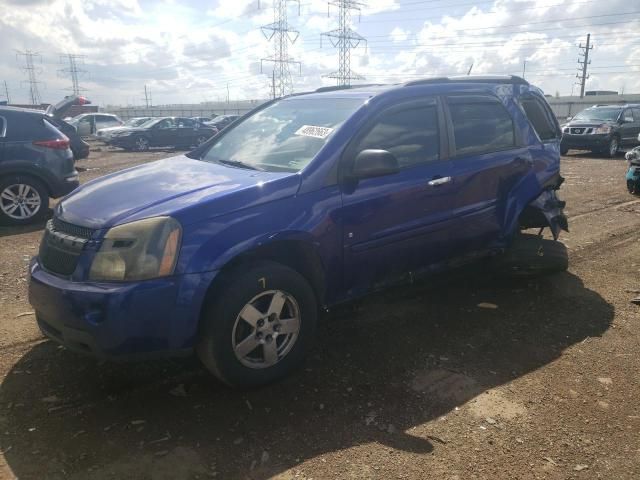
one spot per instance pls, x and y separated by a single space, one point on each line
266 329
20 201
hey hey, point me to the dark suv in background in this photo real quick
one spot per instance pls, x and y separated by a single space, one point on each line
162 132
602 129
36 163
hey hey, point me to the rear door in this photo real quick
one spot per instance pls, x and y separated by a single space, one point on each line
487 163
397 224
633 139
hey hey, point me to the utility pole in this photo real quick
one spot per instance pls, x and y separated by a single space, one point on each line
72 70
29 68
147 97
345 39
582 76
6 92
524 68
273 84
227 92
282 34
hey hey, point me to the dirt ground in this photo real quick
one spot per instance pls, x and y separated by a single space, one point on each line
419 382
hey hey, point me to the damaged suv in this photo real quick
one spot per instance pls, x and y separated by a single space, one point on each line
310 200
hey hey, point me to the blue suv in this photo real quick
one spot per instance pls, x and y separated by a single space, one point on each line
310 200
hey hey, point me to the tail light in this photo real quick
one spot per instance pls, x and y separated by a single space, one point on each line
61 143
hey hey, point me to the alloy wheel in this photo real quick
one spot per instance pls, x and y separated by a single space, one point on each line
20 201
142 144
266 329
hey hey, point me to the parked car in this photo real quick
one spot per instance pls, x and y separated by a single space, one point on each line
308 201
87 124
79 147
222 121
162 132
602 129
105 133
36 162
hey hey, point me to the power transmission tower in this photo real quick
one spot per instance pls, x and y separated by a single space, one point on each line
582 74
344 39
6 92
72 70
29 68
282 34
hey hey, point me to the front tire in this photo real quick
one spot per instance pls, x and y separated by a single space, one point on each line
23 200
141 144
564 150
259 326
612 149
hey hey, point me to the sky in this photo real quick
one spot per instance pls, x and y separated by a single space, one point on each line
193 51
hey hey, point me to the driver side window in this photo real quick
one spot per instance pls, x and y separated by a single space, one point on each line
410 134
166 123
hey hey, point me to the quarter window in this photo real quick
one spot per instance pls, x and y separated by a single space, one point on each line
411 135
539 118
480 126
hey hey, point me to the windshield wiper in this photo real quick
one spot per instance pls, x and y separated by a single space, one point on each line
239 164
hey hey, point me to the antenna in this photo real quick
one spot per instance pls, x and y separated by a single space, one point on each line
344 39
280 32
29 68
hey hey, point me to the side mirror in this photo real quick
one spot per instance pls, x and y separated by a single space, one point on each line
569 118
374 163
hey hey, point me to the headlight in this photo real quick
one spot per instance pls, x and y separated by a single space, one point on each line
602 129
138 250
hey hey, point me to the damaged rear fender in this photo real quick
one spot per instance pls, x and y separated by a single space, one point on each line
545 210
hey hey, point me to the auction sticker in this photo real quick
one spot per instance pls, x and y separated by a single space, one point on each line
315 132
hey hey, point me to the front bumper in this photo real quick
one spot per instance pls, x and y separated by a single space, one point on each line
119 320
585 142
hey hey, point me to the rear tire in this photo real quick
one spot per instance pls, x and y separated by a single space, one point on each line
23 200
141 144
274 345
531 256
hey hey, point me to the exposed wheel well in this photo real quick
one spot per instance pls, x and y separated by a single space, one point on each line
297 255
27 174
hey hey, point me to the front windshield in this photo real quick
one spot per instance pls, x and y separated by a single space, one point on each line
599 114
285 136
149 123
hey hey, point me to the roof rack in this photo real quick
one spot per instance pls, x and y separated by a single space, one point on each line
506 79
346 87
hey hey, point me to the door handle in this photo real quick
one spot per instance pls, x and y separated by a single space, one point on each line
439 181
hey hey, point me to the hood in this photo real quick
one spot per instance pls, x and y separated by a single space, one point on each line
588 123
62 107
187 189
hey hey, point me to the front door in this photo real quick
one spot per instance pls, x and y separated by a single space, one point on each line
164 133
630 127
397 224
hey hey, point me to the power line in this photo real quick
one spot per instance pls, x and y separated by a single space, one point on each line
345 39
281 33
29 68
72 70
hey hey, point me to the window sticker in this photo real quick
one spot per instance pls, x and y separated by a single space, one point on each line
315 132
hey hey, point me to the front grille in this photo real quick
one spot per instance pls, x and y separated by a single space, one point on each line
69 229
577 131
62 245
57 260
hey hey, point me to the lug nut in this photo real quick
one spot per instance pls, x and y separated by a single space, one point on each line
261 323
269 338
259 336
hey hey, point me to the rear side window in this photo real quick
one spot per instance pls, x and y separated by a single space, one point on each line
24 127
3 124
539 118
480 125
410 134
185 123
636 114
